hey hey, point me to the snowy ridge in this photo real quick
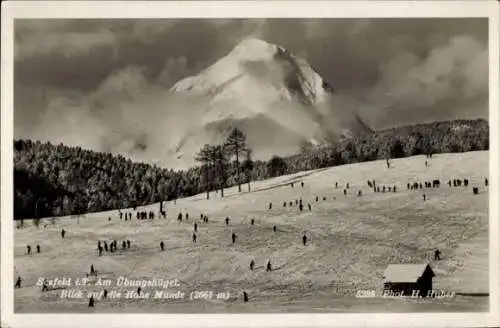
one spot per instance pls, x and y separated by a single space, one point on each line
296 76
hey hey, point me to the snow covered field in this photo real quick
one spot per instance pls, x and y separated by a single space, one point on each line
351 241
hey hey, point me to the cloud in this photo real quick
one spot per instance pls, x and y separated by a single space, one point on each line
149 29
113 76
38 39
451 74
126 114
177 68
127 82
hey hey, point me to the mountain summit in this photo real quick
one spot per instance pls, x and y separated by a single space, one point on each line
273 96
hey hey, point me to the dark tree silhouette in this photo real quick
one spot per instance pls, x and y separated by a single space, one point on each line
221 160
236 145
397 149
276 166
248 166
206 157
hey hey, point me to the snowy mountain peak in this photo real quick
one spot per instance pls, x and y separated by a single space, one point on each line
251 49
256 65
276 98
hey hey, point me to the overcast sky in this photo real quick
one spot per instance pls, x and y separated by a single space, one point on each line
392 72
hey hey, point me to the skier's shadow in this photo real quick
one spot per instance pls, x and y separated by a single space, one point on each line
49 289
272 269
278 268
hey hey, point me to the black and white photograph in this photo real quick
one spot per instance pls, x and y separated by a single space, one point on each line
254 165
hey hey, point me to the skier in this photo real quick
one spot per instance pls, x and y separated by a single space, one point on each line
437 255
18 282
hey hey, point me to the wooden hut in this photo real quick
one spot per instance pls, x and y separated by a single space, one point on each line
406 278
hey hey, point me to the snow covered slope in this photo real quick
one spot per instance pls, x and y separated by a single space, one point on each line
351 241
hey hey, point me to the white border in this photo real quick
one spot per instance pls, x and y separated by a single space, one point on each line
241 9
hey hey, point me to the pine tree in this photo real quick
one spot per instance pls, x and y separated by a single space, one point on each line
236 145
205 156
248 166
220 162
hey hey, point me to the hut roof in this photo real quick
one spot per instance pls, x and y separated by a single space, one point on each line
405 272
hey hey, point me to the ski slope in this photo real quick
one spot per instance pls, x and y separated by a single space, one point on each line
351 241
